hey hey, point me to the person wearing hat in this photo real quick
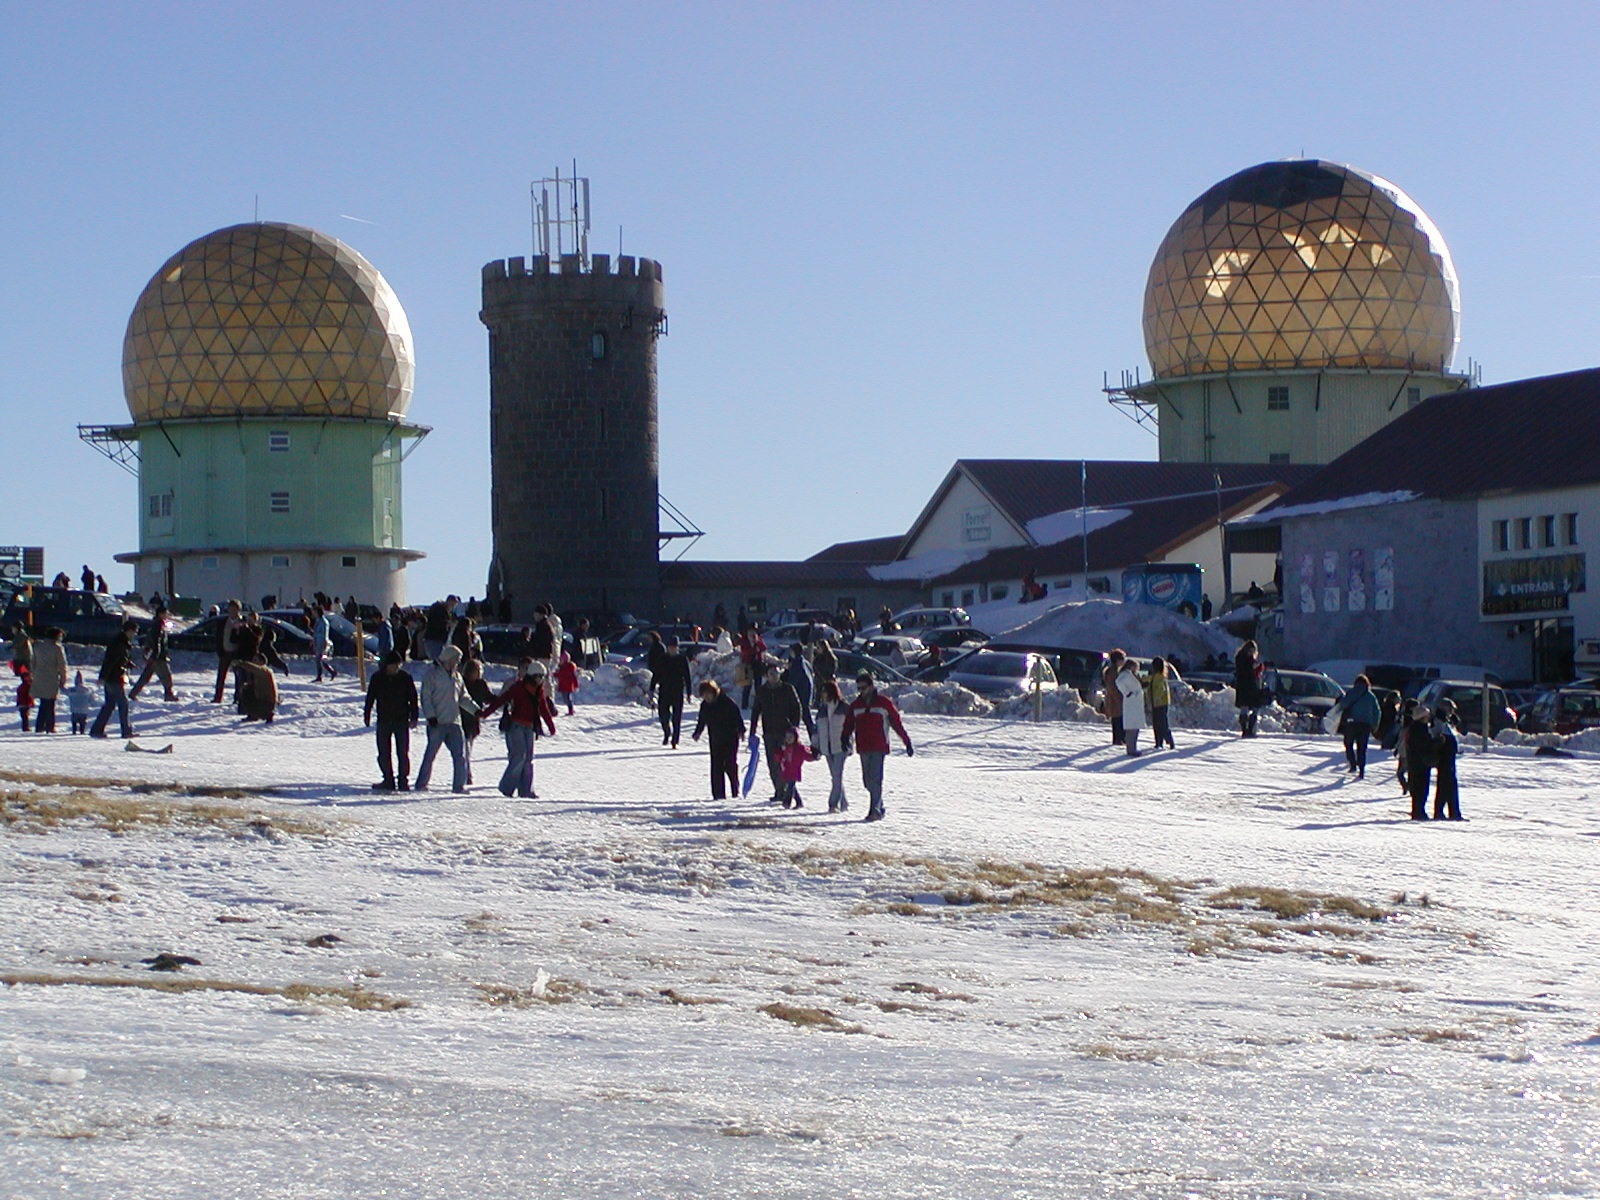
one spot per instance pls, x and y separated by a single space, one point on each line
526 700
440 702
672 682
1422 755
393 692
867 724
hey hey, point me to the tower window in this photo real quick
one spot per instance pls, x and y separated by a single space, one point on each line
605 504
280 562
597 345
347 560
278 440
1277 399
278 502
161 505
1413 397
494 350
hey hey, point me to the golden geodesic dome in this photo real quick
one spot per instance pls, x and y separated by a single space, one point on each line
267 320
1301 263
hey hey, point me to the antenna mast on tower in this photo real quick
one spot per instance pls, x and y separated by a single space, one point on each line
561 217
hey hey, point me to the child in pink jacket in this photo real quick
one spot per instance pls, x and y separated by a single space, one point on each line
792 759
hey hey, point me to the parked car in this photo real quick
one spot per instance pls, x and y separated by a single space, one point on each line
1000 674
340 626
1564 710
1073 667
797 616
895 649
1208 681
1468 698
1309 692
631 647
87 618
784 636
953 639
913 621
202 635
852 663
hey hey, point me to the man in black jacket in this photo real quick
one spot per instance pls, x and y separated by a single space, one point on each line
777 708
114 677
672 687
394 693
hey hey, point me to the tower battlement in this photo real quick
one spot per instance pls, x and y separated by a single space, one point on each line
624 280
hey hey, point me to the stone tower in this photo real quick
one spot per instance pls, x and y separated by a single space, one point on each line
572 432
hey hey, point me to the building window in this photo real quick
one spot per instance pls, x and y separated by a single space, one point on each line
999 592
600 416
1547 530
1524 533
756 606
846 604
1569 529
1502 535
1275 459
278 440
597 345
280 562
1277 399
208 563
347 560
947 599
605 504
1413 397
161 506
1100 585
494 350
278 502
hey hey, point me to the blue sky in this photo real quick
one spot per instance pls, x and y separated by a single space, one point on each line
892 234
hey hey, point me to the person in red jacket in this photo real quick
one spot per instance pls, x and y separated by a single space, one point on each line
752 653
567 680
527 705
867 722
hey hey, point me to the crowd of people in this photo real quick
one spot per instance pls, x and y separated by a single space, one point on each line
791 707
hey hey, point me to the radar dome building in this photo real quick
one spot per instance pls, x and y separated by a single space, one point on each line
268 369
1291 311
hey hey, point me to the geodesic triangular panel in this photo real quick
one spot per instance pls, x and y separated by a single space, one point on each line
1322 265
267 319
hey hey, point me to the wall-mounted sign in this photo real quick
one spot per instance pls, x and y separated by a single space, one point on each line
22 564
975 525
1527 585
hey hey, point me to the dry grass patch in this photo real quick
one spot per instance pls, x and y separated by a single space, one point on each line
316 993
1289 905
677 997
30 811
541 992
932 992
810 1018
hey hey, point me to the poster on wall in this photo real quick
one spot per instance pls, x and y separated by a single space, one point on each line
1308 591
1356 589
1383 579
1330 581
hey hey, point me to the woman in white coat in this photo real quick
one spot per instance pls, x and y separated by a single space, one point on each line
1131 689
830 740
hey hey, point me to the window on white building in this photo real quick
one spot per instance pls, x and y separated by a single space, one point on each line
1547 530
1501 533
278 502
1277 399
278 440
1524 533
1569 529
347 560
280 562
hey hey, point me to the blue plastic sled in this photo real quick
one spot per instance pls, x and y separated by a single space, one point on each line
750 770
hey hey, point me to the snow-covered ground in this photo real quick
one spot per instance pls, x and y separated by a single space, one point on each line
1222 971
